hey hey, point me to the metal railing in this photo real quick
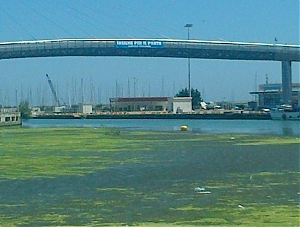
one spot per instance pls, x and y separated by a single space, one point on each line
29 48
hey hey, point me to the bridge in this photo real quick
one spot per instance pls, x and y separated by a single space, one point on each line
171 48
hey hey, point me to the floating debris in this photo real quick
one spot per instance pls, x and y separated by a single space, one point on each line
205 192
240 206
201 190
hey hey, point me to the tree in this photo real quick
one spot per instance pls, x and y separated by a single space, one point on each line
196 96
25 110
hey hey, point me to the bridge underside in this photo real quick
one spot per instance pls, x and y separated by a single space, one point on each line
171 53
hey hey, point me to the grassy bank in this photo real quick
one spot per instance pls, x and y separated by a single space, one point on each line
103 176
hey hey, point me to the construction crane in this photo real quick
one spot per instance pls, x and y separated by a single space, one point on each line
53 91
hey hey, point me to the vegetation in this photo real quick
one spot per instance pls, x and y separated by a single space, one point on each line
25 110
105 176
196 96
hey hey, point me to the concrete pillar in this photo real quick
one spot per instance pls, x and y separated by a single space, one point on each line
286 82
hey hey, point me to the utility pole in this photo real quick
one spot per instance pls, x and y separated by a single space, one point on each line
128 88
134 87
188 26
82 91
16 93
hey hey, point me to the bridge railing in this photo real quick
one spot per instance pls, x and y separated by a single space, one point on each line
81 43
60 44
230 46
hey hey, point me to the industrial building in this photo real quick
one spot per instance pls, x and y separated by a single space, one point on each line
270 95
174 105
139 104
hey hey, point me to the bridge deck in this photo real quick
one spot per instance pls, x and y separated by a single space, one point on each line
150 48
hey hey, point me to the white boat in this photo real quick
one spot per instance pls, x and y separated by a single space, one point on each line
285 114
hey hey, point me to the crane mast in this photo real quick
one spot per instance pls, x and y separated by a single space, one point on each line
53 91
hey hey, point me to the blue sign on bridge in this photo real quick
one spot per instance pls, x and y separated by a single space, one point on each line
138 44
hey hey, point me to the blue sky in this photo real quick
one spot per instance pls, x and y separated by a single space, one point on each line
217 80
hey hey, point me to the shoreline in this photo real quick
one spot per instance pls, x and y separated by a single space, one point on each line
210 116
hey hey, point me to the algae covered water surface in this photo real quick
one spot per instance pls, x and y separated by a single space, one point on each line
104 176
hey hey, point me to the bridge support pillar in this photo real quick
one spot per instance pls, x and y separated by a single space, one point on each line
286 82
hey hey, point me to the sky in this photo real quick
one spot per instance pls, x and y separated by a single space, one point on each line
106 77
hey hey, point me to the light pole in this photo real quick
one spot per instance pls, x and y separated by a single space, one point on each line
188 26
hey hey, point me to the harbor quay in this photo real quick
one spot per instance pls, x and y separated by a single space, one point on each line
204 114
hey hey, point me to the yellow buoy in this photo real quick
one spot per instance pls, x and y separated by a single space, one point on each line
184 128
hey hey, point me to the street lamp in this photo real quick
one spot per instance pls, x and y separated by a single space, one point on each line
188 26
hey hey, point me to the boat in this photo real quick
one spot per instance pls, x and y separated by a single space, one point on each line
285 113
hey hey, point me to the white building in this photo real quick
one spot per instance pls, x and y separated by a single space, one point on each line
85 108
181 105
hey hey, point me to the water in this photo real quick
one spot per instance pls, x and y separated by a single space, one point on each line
155 184
266 127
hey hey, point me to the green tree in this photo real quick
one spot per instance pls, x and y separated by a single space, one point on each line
25 110
196 96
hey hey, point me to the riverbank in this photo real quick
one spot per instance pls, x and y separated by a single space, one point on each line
107 176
